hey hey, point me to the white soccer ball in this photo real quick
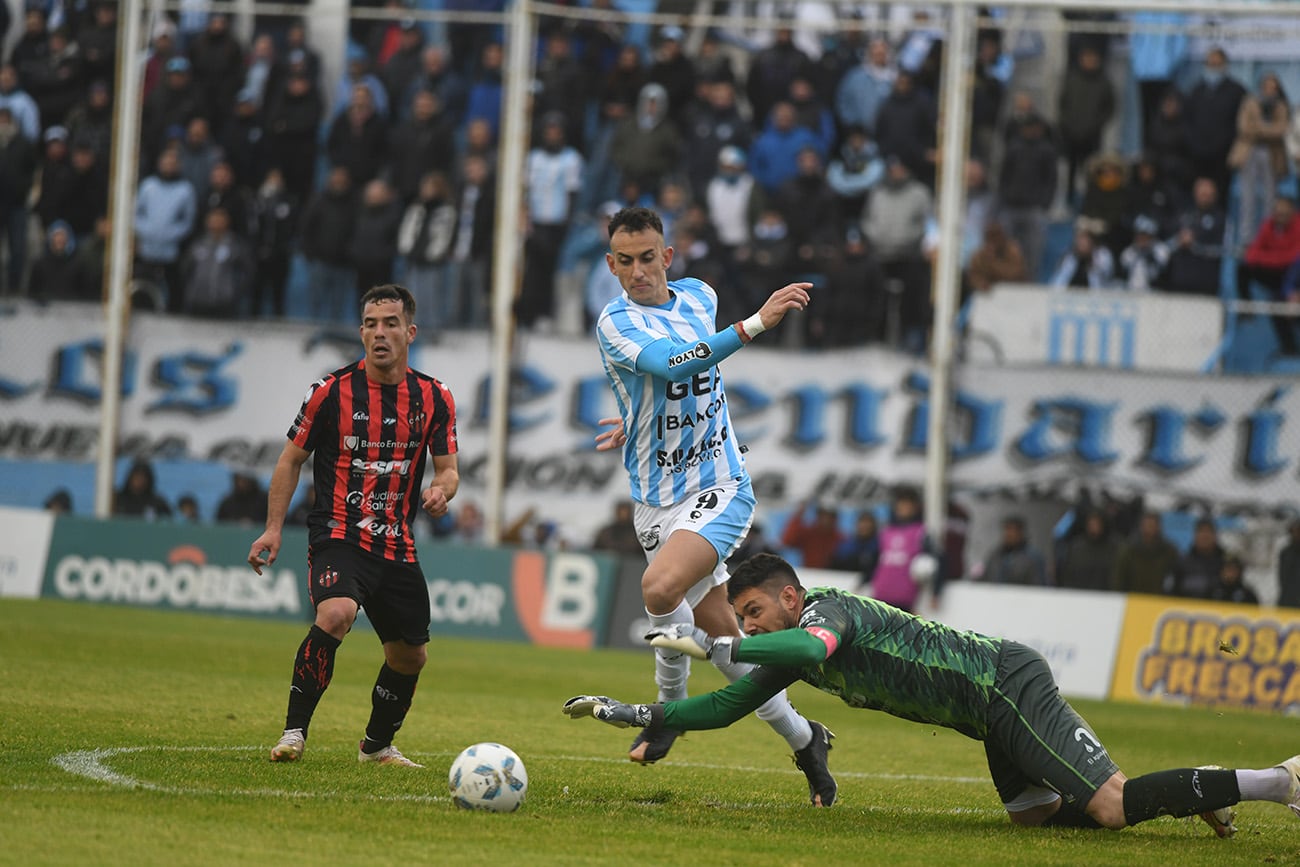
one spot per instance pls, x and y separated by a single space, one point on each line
488 776
923 568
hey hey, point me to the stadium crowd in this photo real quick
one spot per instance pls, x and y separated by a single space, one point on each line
254 169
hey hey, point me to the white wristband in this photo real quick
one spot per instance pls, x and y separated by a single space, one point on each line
754 326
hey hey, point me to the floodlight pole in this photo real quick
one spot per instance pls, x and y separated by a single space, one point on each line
506 256
126 139
955 114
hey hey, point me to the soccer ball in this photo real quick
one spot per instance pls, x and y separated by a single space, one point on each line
922 568
488 776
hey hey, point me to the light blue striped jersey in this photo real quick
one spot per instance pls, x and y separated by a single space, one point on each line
679 434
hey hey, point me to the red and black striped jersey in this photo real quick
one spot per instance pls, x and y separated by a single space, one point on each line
370 443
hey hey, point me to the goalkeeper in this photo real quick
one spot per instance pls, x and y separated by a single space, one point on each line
1048 766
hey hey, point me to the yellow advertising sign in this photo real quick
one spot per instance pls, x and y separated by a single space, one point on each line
1187 652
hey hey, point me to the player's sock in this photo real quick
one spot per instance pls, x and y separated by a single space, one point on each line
1270 784
672 668
389 702
1070 816
312 669
776 711
1179 792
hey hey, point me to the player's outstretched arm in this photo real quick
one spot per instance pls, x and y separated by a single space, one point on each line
284 481
612 711
792 296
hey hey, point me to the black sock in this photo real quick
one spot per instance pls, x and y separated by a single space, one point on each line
1070 816
389 702
312 669
1181 792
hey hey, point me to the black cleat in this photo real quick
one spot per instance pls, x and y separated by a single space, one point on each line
812 761
652 744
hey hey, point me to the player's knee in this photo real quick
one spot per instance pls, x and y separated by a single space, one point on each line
337 620
661 591
405 658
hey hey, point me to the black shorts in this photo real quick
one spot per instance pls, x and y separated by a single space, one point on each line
1035 738
393 594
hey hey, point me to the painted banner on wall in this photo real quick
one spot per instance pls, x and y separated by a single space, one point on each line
837 425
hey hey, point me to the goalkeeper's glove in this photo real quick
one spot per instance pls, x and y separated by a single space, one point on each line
616 713
693 641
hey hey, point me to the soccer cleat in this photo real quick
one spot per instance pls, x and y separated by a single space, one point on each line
290 746
1221 819
650 746
812 761
1292 767
389 755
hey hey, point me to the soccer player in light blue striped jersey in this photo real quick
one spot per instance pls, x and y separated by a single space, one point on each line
693 500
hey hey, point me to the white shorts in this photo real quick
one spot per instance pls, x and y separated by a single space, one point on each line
721 514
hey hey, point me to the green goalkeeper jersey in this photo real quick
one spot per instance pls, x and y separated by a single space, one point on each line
871 655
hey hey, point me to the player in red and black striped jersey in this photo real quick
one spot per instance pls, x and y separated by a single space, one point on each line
371 425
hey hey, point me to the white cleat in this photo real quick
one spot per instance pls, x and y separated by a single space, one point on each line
1221 819
1292 767
389 755
290 746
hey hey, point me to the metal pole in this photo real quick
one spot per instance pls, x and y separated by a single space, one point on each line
506 255
957 60
126 140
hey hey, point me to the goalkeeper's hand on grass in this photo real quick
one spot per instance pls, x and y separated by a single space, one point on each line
608 710
693 641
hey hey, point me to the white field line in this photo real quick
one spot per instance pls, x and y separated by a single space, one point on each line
93 765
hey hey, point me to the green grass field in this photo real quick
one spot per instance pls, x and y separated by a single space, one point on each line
140 737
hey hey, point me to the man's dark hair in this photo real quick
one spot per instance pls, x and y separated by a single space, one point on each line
391 292
758 571
1014 521
635 220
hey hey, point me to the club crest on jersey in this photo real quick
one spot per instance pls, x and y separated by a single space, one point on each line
700 350
649 538
328 578
351 442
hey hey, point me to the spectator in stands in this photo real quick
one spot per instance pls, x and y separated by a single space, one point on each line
553 178
1143 263
437 76
187 510
860 552
1197 254
358 74
852 311
99 42
1015 561
1266 261
425 240
561 86
647 146
1027 187
485 91
805 194
56 80
997 260
198 154
1089 559
162 48
981 205
1087 264
864 88
358 138
423 144
59 502
771 70
93 254
56 178
59 275
619 535
165 212
218 270
1105 202
902 540
713 124
1087 104
815 540
1229 587
275 225
1288 568
854 170
905 128
32 49
328 225
91 121
22 108
402 66
920 50
1168 142
622 84
233 198
1259 153
372 248
245 502
174 103
772 159
294 121
811 112
1148 563
993 68
1201 565
469 522
1155 53
672 70
894 224
299 55
1153 195
732 196
245 143
1211 110
262 77
471 255
138 497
